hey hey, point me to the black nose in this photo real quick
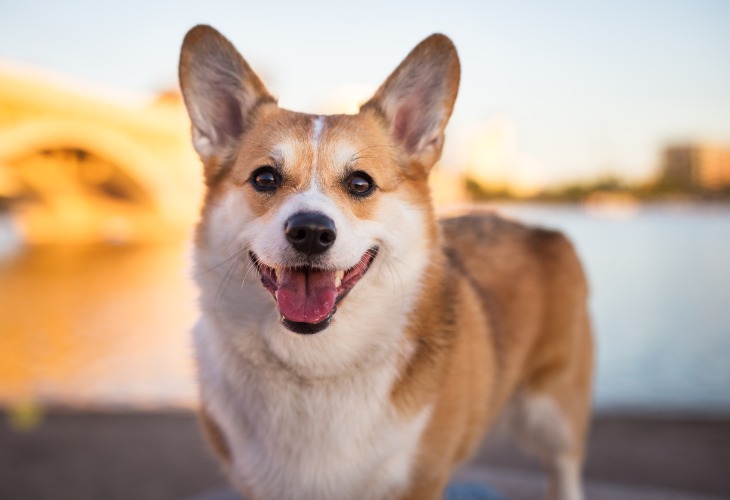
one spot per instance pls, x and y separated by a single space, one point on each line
310 232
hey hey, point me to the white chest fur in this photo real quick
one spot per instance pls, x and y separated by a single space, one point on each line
310 417
294 437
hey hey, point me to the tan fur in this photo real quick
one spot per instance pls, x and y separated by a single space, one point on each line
215 435
521 325
499 320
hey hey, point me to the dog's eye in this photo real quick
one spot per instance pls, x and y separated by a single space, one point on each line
265 179
360 184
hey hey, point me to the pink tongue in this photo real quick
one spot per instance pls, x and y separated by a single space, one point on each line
306 296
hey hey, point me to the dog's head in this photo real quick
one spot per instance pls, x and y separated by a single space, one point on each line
319 204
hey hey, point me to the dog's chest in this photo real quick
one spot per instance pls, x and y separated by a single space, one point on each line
292 438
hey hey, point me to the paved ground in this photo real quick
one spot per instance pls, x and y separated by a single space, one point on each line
160 456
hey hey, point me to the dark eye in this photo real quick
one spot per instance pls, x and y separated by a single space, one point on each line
265 179
360 184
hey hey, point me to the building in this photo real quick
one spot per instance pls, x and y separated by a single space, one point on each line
702 166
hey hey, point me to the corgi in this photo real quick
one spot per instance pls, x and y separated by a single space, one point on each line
351 344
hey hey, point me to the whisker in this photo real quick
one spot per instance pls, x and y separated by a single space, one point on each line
225 282
401 261
235 254
214 266
243 281
395 274
356 155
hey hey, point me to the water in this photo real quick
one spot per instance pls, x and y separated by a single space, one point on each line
109 326
99 326
660 298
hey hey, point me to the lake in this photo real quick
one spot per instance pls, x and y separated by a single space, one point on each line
108 326
660 298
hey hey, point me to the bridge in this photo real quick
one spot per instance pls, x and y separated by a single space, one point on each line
76 167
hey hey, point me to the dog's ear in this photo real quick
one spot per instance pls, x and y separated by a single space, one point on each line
418 97
220 91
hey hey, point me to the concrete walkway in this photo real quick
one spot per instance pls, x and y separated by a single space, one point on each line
162 456
517 484
495 484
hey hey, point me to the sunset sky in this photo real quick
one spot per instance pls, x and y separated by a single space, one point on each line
556 90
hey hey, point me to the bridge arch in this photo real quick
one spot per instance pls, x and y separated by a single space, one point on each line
48 135
151 193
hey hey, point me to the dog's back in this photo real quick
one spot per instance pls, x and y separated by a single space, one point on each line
532 289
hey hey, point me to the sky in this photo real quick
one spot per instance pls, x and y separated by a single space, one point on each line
550 91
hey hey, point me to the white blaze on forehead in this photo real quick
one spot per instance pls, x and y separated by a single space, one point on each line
317 126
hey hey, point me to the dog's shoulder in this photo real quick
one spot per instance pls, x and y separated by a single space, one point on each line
522 274
484 240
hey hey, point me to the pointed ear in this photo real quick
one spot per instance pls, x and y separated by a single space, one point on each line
220 91
418 97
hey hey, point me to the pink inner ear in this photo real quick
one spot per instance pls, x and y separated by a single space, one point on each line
400 126
413 119
411 124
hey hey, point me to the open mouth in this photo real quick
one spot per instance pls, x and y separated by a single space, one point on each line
307 296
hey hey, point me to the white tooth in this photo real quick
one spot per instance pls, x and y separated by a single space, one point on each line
338 278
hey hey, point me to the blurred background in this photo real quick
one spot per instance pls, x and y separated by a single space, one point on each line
609 121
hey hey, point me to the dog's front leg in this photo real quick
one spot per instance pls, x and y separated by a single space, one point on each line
430 488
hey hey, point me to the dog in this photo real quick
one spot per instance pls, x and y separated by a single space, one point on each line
351 344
